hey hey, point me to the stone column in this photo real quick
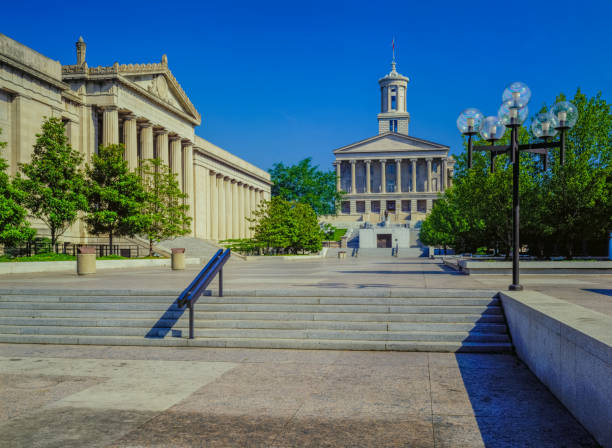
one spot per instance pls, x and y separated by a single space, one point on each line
229 206
146 141
162 146
398 175
235 210
338 175
247 210
368 186
242 216
188 183
214 207
221 208
131 141
414 179
443 174
353 183
450 177
368 206
176 151
413 205
383 176
110 126
429 189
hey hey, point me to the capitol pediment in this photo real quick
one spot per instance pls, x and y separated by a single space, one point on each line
388 143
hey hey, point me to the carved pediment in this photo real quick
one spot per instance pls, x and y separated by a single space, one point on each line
390 142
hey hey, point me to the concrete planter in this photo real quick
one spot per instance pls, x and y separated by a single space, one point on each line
86 261
536 267
178 259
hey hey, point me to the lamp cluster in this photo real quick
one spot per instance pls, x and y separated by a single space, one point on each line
512 114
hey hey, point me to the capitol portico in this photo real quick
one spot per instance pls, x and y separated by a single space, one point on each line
141 106
391 172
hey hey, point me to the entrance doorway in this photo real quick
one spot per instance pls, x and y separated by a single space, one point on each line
383 240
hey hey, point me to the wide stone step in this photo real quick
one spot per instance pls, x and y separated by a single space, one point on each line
157 301
318 344
173 315
470 336
182 323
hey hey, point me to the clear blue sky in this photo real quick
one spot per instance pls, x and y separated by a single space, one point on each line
280 81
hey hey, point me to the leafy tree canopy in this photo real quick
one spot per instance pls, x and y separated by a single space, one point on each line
165 215
306 184
115 195
14 228
53 181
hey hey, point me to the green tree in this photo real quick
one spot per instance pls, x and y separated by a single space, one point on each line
14 228
115 195
280 226
164 213
306 184
578 195
308 234
53 181
445 226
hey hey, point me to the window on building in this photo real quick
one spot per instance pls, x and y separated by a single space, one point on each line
406 206
393 126
346 207
360 206
375 206
393 98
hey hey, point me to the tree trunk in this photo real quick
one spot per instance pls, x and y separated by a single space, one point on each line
110 243
52 237
150 247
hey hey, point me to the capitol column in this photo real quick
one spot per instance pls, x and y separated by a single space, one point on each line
368 186
146 141
188 179
338 174
177 160
383 176
414 171
235 211
110 126
443 174
353 183
162 146
398 175
131 141
429 189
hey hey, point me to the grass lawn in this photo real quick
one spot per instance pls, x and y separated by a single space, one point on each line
63 257
338 233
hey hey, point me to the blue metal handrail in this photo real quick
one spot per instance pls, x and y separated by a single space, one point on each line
196 288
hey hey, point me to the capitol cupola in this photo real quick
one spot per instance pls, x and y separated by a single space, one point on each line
393 116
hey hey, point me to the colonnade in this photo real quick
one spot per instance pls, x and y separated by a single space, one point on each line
155 141
235 202
443 175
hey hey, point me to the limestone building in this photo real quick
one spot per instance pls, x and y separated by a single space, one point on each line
139 105
391 172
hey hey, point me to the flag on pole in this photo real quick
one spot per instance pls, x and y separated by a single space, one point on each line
393 47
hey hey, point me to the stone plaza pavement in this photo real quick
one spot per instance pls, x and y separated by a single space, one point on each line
591 291
99 396
94 396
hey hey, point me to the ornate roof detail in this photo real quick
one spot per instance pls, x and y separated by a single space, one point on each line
117 69
393 75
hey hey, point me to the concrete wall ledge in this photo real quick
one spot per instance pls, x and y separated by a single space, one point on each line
61 266
283 257
536 267
569 348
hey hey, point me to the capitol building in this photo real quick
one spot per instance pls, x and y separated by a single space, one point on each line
391 174
141 106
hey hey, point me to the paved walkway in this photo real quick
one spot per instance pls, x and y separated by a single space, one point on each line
591 291
77 396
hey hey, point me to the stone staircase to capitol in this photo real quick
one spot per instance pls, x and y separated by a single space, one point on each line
342 319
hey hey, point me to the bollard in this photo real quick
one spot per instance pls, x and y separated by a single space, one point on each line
86 260
178 259
342 254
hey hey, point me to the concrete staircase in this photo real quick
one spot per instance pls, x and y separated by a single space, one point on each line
343 319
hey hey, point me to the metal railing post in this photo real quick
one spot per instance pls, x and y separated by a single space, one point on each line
221 282
191 305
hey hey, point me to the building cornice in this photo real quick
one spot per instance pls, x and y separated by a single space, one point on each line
35 73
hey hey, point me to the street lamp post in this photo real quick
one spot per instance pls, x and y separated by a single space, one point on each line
512 114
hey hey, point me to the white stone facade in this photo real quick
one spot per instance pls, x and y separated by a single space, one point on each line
391 173
139 105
